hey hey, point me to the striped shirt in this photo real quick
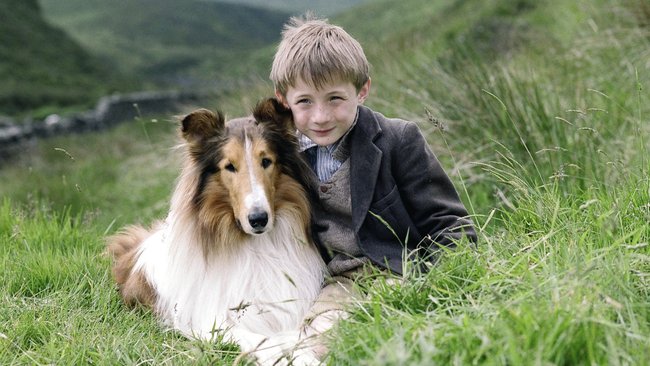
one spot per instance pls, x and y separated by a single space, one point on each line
322 158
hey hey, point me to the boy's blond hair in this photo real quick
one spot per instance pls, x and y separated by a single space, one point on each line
318 53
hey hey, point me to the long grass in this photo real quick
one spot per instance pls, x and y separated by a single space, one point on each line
59 304
549 151
560 280
561 272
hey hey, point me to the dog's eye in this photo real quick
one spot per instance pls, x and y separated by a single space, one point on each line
266 162
230 168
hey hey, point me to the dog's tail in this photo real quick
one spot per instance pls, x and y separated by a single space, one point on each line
123 247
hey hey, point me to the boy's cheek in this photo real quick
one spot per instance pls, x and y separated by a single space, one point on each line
294 110
300 123
302 129
298 118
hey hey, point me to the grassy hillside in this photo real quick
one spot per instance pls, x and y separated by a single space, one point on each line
321 7
178 43
536 76
539 110
41 66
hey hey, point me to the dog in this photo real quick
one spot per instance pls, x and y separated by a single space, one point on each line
233 258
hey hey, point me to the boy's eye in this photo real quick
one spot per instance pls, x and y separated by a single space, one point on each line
303 101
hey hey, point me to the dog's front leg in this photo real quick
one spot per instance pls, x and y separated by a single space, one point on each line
329 307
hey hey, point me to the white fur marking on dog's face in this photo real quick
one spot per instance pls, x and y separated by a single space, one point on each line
256 200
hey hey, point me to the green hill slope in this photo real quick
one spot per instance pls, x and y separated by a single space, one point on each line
421 30
169 41
464 62
321 7
40 65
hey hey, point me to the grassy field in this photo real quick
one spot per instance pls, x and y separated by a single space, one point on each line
547 137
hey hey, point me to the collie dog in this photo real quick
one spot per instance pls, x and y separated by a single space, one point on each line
234 257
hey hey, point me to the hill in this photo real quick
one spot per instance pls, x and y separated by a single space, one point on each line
451 59
296 7
41 66
170 42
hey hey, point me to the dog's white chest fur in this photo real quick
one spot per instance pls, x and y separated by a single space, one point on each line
265 285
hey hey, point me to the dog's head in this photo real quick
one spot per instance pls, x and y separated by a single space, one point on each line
238 164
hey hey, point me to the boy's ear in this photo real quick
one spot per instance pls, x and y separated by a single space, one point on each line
272 110
281 98
364 91
202 124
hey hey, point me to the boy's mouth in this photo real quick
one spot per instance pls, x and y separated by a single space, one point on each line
323 132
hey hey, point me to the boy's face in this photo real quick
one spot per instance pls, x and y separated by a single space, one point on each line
324 115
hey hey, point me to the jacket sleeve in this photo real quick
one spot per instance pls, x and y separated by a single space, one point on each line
428 194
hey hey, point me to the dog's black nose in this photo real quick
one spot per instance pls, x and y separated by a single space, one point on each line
258 220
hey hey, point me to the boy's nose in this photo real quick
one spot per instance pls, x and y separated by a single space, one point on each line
321 115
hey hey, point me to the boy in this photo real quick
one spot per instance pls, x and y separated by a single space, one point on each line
382 193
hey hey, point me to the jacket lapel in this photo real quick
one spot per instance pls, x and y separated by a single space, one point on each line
365 159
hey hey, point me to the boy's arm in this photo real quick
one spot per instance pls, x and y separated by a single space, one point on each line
428 193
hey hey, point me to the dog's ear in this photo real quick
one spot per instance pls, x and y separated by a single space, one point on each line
202 124
271 110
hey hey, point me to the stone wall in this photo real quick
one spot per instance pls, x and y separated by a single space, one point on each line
108 112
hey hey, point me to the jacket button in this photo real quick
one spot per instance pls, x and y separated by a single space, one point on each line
323 189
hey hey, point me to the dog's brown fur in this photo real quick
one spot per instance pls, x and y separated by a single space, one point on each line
123 247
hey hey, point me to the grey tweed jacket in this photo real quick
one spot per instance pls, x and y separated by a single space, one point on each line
403 203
